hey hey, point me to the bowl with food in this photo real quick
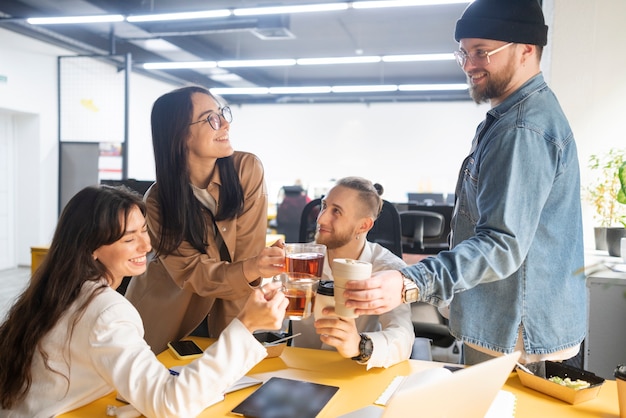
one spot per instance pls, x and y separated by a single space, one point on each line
561 381
274 342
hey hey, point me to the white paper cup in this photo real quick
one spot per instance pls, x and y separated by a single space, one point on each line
344 270
622 248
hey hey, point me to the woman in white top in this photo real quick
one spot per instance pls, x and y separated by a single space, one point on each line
71 338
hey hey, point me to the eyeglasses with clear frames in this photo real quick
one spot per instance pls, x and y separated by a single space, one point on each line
214 119
478 58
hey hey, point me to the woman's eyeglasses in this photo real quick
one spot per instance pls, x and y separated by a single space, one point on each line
478 58
214 119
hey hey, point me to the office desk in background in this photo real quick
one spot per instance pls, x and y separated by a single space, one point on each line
359 388
605 345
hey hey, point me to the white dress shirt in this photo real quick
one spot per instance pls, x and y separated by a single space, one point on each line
106 351
391 333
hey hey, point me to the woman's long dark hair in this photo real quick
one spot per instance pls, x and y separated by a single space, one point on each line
180 212
94 217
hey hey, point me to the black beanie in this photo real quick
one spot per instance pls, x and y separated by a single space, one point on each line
518 21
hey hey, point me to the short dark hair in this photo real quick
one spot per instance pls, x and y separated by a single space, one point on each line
369 193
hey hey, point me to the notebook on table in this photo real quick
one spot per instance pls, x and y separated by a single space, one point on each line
467 393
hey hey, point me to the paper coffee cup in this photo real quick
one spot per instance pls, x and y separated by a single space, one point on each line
344 270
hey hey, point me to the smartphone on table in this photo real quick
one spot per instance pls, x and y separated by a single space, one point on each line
185 349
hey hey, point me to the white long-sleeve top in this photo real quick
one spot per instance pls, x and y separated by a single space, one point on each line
391 333
106 351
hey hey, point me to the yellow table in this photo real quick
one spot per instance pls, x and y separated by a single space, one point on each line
359 388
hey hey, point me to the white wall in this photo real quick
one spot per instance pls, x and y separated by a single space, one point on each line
404 146
28 98
587 75
28 103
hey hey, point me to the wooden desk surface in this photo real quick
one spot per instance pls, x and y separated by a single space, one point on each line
359 388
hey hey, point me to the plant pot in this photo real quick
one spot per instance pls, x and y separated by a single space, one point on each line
599 233
613 238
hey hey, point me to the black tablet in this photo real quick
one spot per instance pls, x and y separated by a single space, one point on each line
286 398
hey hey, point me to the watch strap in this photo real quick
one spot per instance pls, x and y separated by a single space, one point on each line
365 349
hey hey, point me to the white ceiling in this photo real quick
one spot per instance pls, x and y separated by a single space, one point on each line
377 32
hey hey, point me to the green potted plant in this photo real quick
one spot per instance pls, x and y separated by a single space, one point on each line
615 235
602 192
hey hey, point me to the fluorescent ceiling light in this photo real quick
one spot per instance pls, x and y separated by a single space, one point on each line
305 8
300 61
418 57
402 3
257 63
207 14
239 90
431 87
225 91
250 11
179 65
300 90
364 89
338 60
74 19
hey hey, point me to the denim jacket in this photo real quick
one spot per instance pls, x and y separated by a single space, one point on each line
517 239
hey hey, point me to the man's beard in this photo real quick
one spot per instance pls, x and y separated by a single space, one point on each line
334 240
496 86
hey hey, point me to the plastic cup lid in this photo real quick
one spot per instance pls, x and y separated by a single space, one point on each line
326 287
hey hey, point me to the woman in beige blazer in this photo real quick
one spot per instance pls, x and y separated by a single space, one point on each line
207 218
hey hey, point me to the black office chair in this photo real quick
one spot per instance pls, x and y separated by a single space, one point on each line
418 225
386 230
308 220
433 340
294 199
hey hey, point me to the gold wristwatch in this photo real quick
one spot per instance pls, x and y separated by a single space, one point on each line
410 292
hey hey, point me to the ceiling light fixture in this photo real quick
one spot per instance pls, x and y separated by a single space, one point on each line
257 63
305 8
403 3
250 11
364 89
300 90
418 57
179 65
338 60
301 61
74 19
225 91
208 14
431 87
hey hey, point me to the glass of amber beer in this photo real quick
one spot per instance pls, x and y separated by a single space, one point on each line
300 290
305 258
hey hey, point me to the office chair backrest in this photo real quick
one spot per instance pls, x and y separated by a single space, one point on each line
417 225
288 212
386 230
308 220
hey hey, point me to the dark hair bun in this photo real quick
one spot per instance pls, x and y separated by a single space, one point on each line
379 189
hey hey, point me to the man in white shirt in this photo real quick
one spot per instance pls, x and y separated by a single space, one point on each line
347 214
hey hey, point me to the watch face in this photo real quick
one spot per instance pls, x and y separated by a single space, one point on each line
369 347
366 346
412 295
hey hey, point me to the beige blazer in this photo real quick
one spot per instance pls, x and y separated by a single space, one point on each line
178 291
